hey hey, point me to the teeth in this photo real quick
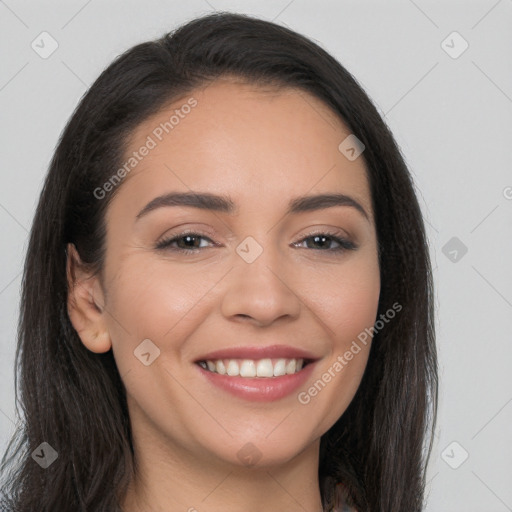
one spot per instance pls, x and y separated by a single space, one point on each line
251 368
219 367
280 368
248 369
233 369
291 366
265 368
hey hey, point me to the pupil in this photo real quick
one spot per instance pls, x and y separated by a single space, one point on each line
319 239
189 238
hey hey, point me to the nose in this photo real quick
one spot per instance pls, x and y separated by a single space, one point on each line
260 292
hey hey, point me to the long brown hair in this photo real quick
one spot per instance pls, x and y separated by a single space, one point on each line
379 447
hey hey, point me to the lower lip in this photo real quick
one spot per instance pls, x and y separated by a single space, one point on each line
259 389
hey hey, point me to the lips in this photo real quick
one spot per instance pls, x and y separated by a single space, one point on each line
256 353
262 388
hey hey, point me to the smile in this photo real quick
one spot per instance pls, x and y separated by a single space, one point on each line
249 368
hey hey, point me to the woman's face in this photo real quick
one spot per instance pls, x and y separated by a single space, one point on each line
266 279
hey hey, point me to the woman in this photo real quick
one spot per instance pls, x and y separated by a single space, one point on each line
227 298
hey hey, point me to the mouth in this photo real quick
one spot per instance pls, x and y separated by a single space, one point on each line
261 374
250 368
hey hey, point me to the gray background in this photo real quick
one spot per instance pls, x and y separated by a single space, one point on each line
451 117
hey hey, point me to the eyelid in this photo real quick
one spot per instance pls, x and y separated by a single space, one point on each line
179 230
332 231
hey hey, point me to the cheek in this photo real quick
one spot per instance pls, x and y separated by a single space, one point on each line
347 305
346 297
155 301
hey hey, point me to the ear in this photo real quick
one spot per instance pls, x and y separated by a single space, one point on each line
86 304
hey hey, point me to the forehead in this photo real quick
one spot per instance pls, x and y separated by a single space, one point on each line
246 141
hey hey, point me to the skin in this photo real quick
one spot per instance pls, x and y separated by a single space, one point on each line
262 148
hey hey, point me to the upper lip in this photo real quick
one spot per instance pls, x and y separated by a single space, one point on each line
258 352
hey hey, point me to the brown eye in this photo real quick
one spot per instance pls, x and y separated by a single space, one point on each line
324 241
185 242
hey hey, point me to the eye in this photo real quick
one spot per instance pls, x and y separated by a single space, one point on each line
323 241
190 242
187 242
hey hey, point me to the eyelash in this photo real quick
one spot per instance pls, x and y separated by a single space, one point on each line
344 244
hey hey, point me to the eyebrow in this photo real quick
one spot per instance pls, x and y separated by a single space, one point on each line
224 204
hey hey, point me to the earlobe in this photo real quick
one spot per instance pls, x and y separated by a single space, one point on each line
85 308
